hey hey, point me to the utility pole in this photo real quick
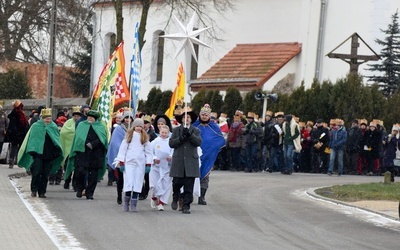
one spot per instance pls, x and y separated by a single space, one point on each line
50 75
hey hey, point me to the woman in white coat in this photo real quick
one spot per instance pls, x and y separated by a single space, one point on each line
160 181
134 155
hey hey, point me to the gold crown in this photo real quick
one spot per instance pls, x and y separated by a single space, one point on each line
206 109
146 118
46 113
76 109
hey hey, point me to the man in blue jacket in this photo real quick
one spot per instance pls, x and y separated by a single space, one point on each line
337 143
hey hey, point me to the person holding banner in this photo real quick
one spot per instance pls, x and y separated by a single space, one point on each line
185 140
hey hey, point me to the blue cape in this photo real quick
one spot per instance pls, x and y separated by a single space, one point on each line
212 142
116 138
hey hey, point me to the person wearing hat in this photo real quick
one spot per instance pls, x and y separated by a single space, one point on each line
391 144
212 143
291 142
88 154
354 137
67 134
84 110
152 135
251 132
222 161
185 140
372 140
276 162
115 142
159 121
41 153
36 115
134 156
66 113
337 144
320 139
235 141
266 141
18 126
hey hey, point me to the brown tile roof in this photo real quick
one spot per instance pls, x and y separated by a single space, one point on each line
247 66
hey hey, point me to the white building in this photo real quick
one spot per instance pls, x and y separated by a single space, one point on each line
318 25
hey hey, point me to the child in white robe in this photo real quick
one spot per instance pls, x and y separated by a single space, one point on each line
135 153
160 181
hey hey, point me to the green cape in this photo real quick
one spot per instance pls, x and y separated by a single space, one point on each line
78 145
34 142
67 136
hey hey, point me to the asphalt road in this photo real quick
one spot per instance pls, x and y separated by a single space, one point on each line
244 211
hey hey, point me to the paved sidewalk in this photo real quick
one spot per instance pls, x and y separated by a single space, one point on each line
18 228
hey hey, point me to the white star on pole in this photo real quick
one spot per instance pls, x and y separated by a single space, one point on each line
188 36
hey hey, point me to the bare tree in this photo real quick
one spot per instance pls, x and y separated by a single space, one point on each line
25 26
181 9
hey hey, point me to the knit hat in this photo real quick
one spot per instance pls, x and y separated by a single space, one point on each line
127 113
138 122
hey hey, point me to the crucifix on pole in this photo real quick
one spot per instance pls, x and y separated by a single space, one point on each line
354 59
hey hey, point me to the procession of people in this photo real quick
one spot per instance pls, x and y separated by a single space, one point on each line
158 156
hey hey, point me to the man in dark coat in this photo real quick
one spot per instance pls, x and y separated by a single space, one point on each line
373 139
88 154
320 138
354 137
185 140
41 151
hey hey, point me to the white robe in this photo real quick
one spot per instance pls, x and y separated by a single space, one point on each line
136 156
160 181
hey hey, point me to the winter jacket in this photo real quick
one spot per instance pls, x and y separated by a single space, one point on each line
338 139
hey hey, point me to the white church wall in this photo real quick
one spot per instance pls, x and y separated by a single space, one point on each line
261 21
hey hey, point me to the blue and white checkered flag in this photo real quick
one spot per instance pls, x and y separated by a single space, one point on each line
136 67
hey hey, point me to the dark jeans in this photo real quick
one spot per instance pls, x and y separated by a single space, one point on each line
352 162
187 183
40 171
13 152
319 161
235 157
251 155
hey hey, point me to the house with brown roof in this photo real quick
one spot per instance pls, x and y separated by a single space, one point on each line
37 75
250 66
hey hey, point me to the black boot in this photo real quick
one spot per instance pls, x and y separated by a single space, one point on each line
119 198
202 200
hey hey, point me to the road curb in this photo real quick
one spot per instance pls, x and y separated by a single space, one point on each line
311 192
